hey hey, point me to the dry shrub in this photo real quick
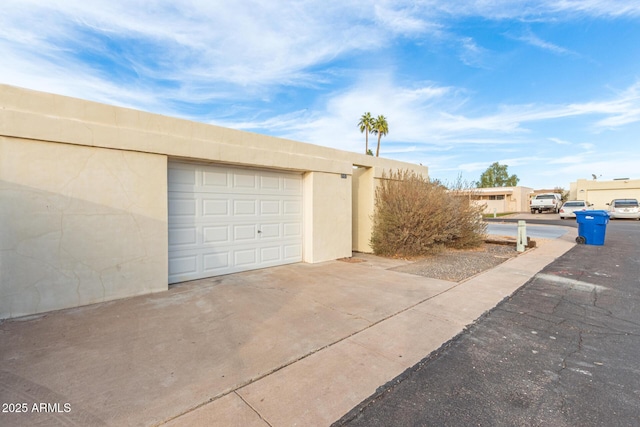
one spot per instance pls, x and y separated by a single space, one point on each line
414 216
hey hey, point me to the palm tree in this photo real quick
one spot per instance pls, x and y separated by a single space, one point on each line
365 124
381 128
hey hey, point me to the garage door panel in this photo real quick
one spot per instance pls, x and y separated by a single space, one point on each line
215 207
182 207
214 262
292 185
245 257
292 207
270 207
186 265
214 180
244 207
292 252
292 229
270 182
271 254
245 232
182 177
183 236
244 180
270 231
216 234
226 219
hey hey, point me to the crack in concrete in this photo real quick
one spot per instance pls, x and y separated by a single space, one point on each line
253 409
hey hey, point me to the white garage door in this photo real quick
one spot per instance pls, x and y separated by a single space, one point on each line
226 219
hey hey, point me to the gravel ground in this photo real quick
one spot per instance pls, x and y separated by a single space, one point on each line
458 265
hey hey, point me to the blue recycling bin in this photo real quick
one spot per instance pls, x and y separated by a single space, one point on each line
592 226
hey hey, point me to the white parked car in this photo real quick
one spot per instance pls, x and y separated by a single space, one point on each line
568 209
624 208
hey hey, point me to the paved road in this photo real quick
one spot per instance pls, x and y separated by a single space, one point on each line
552 219
533 231
564 350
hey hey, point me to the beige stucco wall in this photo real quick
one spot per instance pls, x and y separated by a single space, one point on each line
42 116
490 205
602 192
79 225
96 178
363 207
522 195
327 216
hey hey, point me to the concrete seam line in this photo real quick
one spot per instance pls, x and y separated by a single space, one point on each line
252 408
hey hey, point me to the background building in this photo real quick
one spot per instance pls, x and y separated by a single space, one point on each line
502 199
602 192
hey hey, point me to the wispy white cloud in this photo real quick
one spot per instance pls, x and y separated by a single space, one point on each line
595 7
473 167
473 55
588 147
623 110
533 40
199 46
536 9
400 19
607 166
617 111
559 141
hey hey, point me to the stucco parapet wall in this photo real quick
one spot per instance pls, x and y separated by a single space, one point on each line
47 117
615 184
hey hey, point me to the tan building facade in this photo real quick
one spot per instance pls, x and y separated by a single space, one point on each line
503 199
602 192
99 202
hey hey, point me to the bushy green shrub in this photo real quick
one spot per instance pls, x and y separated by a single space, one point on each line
415 216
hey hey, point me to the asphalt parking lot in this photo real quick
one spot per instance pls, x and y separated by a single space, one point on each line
562 351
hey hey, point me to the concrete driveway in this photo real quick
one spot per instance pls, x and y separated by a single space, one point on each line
282 346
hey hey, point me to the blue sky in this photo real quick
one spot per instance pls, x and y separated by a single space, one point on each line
549 87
